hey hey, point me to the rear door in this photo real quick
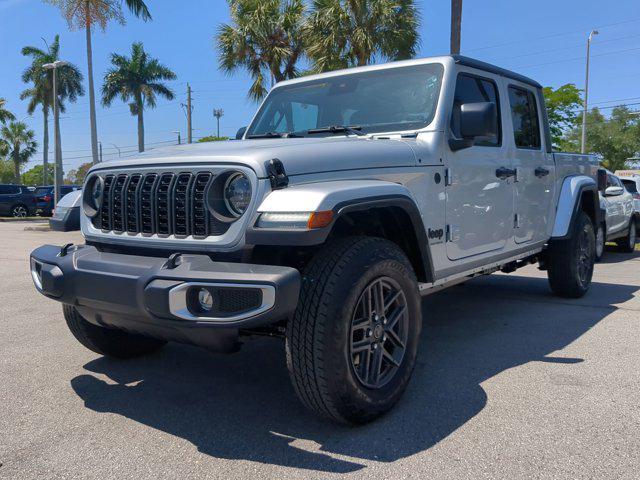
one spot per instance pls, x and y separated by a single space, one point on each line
533 161
479 205
8 197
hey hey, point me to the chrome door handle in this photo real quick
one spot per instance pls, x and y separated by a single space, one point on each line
541 172
503 173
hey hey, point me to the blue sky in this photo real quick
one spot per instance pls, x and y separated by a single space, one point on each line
543 39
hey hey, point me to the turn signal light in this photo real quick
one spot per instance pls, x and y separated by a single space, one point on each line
320 219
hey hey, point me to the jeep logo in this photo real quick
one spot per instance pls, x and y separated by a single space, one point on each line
435 233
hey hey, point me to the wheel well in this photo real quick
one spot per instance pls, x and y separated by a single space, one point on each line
392 223
588 201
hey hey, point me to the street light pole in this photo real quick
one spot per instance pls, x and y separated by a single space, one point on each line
583 148
178 132
117 148
100 148
218 112
57 166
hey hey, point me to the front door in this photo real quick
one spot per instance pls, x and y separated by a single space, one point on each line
479 204
535 168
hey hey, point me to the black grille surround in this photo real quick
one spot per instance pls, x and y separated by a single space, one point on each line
158 203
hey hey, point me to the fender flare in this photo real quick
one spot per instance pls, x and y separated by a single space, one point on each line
569 204
342 197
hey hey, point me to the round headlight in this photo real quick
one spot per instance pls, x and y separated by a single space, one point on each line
92 196
237 193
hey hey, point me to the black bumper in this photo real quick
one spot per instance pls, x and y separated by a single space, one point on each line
132 292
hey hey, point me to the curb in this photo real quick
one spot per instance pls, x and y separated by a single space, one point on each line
25 219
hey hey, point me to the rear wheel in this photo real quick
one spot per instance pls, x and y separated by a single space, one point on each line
107 341
627 243
600 242
570 262
353 340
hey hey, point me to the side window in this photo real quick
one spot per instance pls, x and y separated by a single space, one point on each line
524 115
472 89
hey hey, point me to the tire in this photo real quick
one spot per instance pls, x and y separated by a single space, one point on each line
324 343
627 244
19 211
600 241
570 262
107 341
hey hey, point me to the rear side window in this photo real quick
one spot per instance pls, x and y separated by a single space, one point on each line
472 89
524 115
631 186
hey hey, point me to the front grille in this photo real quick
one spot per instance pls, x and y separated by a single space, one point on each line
158 203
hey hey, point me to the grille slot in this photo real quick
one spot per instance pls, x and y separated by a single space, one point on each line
158 203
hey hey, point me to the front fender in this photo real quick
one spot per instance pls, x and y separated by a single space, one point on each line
569 203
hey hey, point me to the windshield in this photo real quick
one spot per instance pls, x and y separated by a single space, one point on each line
388 100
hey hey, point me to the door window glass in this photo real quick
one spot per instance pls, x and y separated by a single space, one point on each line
472 89
524 115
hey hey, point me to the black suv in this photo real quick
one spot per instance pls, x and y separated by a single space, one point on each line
44 196
16 201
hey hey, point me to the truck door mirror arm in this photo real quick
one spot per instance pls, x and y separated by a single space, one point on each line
478 119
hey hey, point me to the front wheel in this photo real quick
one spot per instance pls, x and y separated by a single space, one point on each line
353 340
627 243
570 262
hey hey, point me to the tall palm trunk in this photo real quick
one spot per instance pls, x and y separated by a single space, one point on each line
45 147
140 126
92 97
16 163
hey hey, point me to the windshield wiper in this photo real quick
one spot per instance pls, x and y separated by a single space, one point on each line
274 135
352 129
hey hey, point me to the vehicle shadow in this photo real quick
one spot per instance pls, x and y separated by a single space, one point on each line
243 407
613 255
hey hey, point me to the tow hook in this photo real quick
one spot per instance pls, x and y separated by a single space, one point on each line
64 250
173 261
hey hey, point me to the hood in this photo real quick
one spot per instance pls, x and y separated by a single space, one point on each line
299 155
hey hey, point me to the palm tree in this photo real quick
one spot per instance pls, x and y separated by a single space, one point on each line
69 86
86 13
137 78
4 113
265 38
348 33
20 144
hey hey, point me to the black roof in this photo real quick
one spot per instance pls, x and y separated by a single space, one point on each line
473 63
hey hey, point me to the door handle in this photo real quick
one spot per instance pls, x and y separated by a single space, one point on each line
541 172
503 172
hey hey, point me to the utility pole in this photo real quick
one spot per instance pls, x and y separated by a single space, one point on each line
57 166
100 147
189 138
583 148
218 113
456 25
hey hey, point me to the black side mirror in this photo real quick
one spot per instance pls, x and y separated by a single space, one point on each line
476 120
602 180
240 133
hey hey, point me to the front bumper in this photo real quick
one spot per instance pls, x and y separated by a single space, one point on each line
150 296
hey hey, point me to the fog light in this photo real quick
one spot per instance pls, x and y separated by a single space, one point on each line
205 299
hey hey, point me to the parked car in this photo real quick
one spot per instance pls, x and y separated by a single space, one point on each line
66 216
632 183
351 194
16 201
45 197
619 222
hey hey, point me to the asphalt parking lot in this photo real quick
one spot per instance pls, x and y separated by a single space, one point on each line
511 383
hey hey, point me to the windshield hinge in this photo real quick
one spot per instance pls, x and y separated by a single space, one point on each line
277 175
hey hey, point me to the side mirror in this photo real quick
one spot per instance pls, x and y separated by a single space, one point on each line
476 120
240 133
613 191
602 179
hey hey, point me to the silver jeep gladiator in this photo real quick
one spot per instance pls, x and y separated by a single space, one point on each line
349 196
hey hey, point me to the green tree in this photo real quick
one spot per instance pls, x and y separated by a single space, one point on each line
36 175
6 171
614 139
40 94
5 115
212 138
264 38
137 78
84 14
20 144
563 105
77 176
348 33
